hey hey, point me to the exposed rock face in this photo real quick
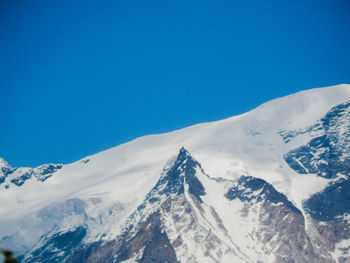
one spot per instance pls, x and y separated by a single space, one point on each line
181 173
151 241
249 188
58 247
331 203
18 176
328 155
281 225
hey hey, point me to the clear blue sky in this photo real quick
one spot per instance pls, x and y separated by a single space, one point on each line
78 77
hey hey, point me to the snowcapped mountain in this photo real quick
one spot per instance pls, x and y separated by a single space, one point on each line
270 185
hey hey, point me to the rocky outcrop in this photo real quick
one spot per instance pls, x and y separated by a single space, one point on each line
18 176
327 155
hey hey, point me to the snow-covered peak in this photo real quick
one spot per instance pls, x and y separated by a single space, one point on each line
249 144
178 176
266 161
183 154
3 163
